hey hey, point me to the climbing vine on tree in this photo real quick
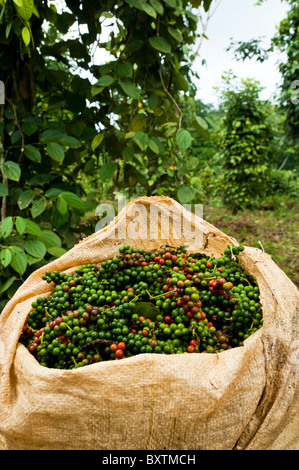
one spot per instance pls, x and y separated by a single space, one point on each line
246 145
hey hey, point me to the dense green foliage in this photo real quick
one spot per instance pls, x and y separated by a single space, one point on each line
72 132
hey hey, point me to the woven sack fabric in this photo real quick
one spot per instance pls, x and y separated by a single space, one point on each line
242 398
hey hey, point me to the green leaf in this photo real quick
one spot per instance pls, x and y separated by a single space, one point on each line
97 140
136 3
171 3
30 125
19 262
201 122
35 248
20 225
50 238
32 153
3 190
159 145
7 284
16 249
185 194
56 152
157 6
107 170
192 163
6 227
141 139
175 33
183 139
153 146
32 260
160 44
24 8
53 192
201 127
8 29
149 10
77 129
207 4
26 35
56 251
38 208
52 135
138 122
25 199
105 80
12 170
72 199
124 70
130 89
128 153
32 228
153 101
40 179
16 136
147 310
5 257
61 205
70 142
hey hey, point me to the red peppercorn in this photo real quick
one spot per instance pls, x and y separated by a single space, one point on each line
119 353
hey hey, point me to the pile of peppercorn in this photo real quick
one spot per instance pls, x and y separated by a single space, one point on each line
163 301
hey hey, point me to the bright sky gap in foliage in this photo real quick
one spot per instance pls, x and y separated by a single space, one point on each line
233 19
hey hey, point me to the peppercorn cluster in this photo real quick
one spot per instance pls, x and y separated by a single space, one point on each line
163 301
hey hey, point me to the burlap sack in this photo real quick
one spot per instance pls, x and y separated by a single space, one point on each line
243 398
